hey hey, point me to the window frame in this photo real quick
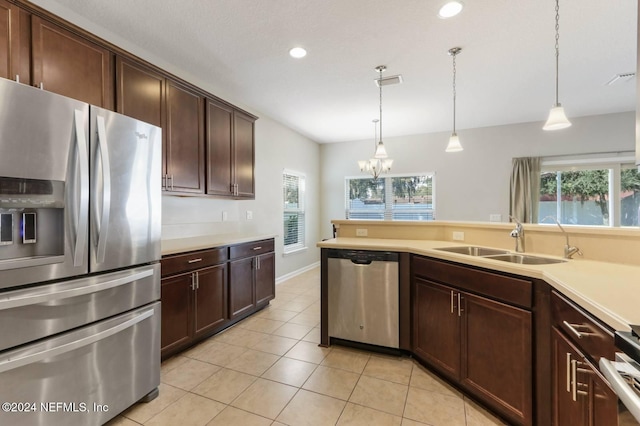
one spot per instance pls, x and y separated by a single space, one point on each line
388 195
613 162
300 245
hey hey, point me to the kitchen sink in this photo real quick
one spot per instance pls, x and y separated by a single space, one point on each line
525 259
473 251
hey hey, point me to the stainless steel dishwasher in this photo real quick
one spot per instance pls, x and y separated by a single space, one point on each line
363 296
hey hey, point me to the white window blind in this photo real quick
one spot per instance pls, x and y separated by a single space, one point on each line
395 197
293 185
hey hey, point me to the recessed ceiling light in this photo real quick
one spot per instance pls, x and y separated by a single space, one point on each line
450 9
298 52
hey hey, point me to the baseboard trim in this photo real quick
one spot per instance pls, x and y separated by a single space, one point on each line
297 272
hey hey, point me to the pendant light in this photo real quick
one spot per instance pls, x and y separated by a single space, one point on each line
557 118
380 163
454 141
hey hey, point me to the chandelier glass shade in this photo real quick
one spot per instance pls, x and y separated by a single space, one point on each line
380 163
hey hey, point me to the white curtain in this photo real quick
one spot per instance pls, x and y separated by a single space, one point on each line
525 189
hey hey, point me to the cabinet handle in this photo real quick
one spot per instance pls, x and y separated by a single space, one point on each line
17 78
257 248
574 381
41 86
197 281
568 372
164 182
195 260
171 177
452 302
193 281
573 329
259 263
459 305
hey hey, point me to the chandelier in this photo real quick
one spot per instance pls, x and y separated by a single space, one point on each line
380 163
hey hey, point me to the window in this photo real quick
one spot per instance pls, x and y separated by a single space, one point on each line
597 191
294 223
391 198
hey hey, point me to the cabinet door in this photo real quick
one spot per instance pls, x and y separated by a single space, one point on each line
184 141
211 299
14 42
243 130
603 401
139 92
566 411
176 295
436 326
497 355
219 148
241 287
70 65
265 278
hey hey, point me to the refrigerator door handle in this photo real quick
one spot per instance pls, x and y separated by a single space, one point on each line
81 226
13 363
106 190
32 298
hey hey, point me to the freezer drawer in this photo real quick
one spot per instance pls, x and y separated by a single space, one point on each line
33 313
84 377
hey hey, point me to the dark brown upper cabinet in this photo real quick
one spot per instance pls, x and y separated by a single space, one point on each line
184 152
70 65
139 91
230 151
15 28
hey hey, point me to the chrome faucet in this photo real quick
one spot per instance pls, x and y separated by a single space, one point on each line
569 250
518 234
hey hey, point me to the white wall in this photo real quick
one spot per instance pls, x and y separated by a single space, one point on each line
474 183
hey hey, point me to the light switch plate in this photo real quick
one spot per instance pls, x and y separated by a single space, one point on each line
458 236
224 216
249 215
361 232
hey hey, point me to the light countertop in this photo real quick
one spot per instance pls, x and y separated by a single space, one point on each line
182 245
610 292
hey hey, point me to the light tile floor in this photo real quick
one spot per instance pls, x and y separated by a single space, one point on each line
269 370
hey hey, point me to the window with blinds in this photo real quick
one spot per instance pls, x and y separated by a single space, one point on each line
294 221
390 198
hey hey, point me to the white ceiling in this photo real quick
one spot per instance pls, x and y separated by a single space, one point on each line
505 70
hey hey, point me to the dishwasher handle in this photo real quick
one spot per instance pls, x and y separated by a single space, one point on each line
362 261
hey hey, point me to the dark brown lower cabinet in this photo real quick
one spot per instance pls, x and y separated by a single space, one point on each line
208 290
252 278
193 305
481 344
581 396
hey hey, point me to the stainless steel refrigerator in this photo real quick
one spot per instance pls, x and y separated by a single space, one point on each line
80 206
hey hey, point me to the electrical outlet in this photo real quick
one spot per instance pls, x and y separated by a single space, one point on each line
495 217
361 232
458 236
224 216
249 215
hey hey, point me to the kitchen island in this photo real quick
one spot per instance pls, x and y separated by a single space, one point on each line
494 329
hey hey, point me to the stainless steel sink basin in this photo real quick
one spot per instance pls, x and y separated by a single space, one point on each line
473 251
525 259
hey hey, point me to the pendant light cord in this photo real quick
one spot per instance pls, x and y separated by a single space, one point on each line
557 45
454 91
380 69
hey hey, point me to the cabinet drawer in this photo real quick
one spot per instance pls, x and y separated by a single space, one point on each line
596 340
251 249
192 261
507 289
